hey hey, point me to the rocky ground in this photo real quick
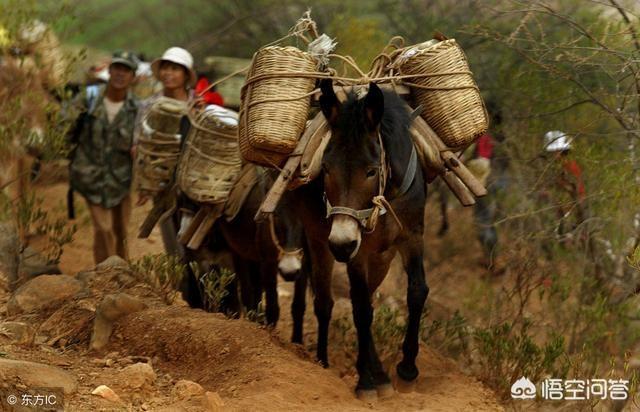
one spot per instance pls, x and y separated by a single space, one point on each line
99 338
102 340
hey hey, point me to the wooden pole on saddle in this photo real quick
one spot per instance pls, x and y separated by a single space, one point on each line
164 204
450 159
209 216
272 198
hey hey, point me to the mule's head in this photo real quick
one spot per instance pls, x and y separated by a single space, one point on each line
290 236
351 165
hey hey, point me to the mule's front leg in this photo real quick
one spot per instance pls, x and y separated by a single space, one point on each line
322 271
417 292
269 271
363 317
299 304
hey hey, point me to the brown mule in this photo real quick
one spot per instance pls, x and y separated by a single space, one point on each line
374 199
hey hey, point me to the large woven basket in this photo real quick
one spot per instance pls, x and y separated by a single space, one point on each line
275 104
210 163
450 99
159 146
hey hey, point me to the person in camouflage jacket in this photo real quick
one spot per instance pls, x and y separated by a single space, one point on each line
101 167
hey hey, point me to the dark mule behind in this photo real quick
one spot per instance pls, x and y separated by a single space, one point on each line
259 251
369 169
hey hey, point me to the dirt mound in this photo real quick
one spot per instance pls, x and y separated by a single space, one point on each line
252 370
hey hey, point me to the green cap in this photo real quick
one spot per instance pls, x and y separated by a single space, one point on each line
127 58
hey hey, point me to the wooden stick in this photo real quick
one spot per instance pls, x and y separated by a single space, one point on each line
162 205
458 188
272 198
198 237
194 225
464 174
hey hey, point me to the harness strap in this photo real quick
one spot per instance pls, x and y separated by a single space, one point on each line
362 215
274 238
410 173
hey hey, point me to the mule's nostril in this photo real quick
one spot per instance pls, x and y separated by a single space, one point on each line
352 246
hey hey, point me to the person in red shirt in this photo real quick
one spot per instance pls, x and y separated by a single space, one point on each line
485 208
209 96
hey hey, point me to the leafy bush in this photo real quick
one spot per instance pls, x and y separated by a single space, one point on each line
162 272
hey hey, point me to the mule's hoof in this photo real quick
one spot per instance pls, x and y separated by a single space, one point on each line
367 395
385 390
403 386
408 373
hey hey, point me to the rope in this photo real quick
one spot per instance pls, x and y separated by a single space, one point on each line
276 243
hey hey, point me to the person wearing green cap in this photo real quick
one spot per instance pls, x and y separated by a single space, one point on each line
101 166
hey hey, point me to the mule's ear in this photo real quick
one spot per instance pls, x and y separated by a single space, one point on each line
329 102
374 106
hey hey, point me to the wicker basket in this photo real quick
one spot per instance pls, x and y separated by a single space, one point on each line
159 146
450 99
210 162
275 104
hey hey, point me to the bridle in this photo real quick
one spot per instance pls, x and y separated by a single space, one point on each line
368 218
282 252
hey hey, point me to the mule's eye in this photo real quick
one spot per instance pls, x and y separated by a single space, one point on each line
372 172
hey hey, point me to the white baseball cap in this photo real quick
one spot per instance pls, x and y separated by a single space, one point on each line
557 141
179 56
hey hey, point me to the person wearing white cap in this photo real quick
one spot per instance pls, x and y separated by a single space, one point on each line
568 180
175 71
557 141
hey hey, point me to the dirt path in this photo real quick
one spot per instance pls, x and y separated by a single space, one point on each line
251 368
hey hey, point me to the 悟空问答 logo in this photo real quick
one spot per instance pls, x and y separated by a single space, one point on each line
523 388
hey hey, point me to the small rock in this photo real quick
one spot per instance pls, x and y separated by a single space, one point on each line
212 402
41 292
138 375
87 277
107 393
37 375
112 308
18 332
112 262
33 263
105 363
185 389
144 406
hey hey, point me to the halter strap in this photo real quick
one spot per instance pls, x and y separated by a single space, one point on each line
368 218
282 252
